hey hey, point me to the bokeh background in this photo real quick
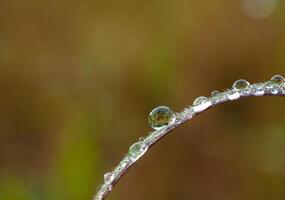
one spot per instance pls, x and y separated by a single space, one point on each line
78 79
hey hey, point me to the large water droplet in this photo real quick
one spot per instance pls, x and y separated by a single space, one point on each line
278 80
240 84
136 151
109 177
160 117
199 100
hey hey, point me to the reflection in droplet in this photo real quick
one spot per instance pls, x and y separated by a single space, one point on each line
240 84
160 117
233 96
271 87
137 150
215 93
258 89
277 80
109 177
199 100
201 103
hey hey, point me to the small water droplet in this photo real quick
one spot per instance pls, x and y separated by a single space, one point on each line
240 84
160 117
182 116
271 87
201 103
277 79
233 95
215 93
187 113
109 177
122 165
258 89
199 100
136 151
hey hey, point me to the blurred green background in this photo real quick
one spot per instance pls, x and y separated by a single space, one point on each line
78 79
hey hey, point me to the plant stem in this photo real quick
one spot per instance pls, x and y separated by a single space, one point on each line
138 149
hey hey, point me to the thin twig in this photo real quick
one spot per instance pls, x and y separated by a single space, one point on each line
138 149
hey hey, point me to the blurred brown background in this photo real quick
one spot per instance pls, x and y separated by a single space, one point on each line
78 79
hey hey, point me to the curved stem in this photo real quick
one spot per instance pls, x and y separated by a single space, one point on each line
138 149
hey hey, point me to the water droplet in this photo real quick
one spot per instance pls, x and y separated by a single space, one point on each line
136 151
240 84
274 91
201 103
160 117
278 80
199 100
179 118
215 93
109 177
232 95
258 89
271 87
122 165
187 113
223 97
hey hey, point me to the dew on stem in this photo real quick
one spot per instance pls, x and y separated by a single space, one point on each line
160 117
240 84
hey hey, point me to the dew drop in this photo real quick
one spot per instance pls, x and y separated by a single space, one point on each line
201 103
277 80
109 177
160 117
269 85
258 89
240 84
136 151
199 100
187 113
233 95
122 165
215 93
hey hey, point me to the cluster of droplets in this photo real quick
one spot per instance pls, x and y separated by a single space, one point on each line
163 118
273 86
135 152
